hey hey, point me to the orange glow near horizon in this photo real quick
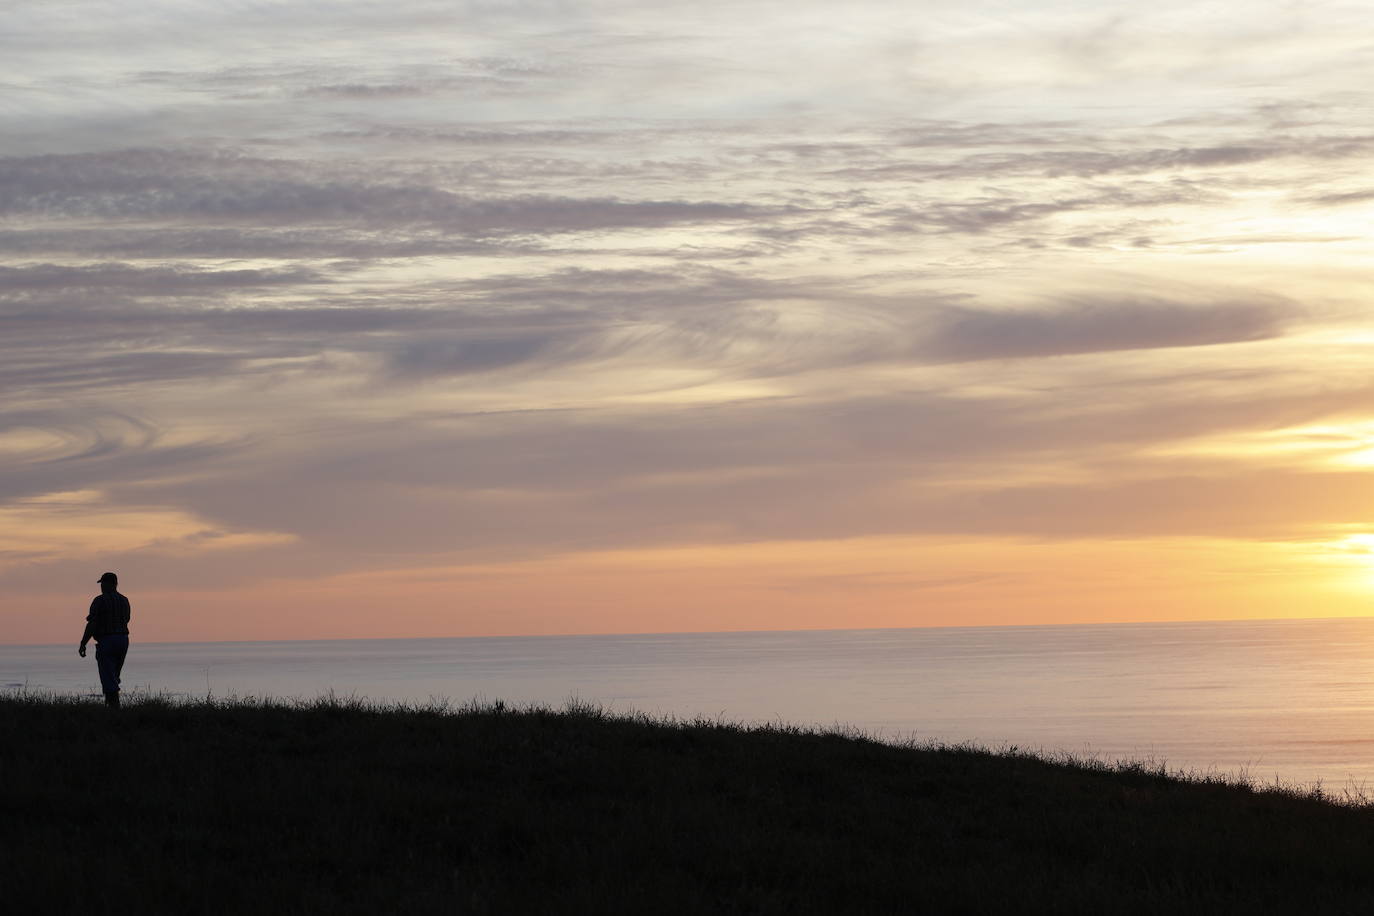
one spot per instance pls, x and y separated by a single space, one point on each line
851 584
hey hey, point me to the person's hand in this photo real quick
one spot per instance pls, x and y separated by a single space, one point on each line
81 650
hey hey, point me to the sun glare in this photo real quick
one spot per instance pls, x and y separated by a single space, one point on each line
1356 552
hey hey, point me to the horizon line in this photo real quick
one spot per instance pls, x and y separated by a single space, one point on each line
972 626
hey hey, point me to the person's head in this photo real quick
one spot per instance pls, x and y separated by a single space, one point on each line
108 582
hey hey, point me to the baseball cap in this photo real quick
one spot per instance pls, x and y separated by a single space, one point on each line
109 575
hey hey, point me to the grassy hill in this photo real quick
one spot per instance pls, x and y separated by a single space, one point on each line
338 807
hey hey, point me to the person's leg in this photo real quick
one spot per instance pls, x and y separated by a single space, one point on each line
119 650
109 660
108 680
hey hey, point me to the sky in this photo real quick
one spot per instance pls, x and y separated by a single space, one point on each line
361 319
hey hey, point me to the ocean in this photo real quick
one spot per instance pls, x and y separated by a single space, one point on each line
1291 700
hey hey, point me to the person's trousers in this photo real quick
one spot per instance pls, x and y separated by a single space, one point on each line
109 660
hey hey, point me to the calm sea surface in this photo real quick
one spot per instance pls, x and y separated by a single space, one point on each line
1292 699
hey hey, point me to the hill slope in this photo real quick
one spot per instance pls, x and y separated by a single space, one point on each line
341 808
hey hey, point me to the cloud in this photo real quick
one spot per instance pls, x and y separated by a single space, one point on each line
524 483
429 357
366 91
1340 198
56 526
164 324
1098 326
144 281
336 241
69 449
94 374
382 79
925 134
482 136
231 188
1273 504
1095 163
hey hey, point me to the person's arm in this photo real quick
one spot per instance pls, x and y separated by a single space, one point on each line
86 634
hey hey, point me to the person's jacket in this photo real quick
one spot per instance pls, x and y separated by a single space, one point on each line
109 615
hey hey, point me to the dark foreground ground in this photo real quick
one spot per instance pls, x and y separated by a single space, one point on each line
333 807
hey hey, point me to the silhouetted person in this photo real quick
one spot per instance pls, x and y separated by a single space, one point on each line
108 625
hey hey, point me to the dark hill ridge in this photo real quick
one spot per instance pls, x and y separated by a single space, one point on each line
338 807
